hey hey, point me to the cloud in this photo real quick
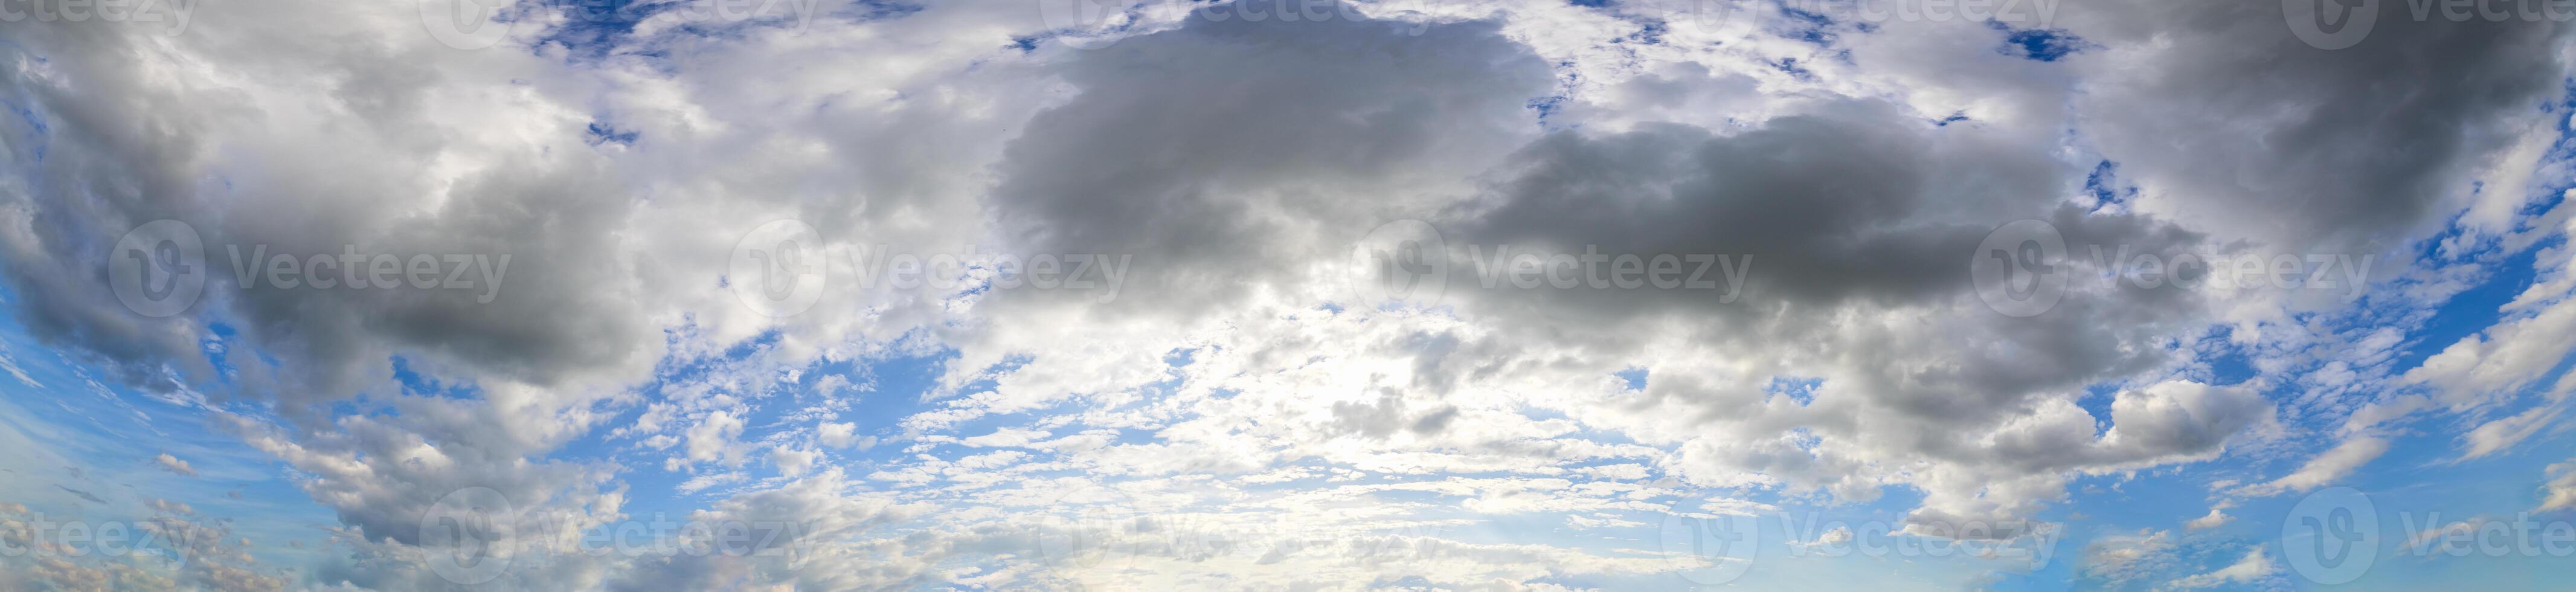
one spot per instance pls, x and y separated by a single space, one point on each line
2127 557
837 435
2503 433
1005 437
2255 566
2324 469
2422 542
2510 355
93 498
792 462
2217 517
2560 492
2204 97
174 465
11 366
712 439
1243 381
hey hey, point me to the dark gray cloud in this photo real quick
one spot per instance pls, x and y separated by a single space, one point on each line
2234 125
1226 154
100 168
1233 160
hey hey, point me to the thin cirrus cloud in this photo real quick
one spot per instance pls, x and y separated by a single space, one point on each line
1151 342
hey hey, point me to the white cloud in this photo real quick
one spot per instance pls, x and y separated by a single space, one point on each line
712 439
2127 557
2560 492
174 465
1239 162
1005 437
2503 433
2325 468
843 435
2217 517
791 462
2255 566
11 366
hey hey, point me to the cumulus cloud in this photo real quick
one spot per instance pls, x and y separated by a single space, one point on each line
712 439
174 465
1244 379
2217 517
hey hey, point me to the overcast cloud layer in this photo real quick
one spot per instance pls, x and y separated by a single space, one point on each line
1122 294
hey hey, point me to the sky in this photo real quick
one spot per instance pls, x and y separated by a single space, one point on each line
1287 294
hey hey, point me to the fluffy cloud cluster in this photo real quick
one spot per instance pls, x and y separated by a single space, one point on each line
1314 434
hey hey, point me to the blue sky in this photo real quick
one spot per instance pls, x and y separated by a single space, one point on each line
68 419
793 274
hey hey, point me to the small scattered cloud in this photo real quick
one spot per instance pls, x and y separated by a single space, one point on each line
174 465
